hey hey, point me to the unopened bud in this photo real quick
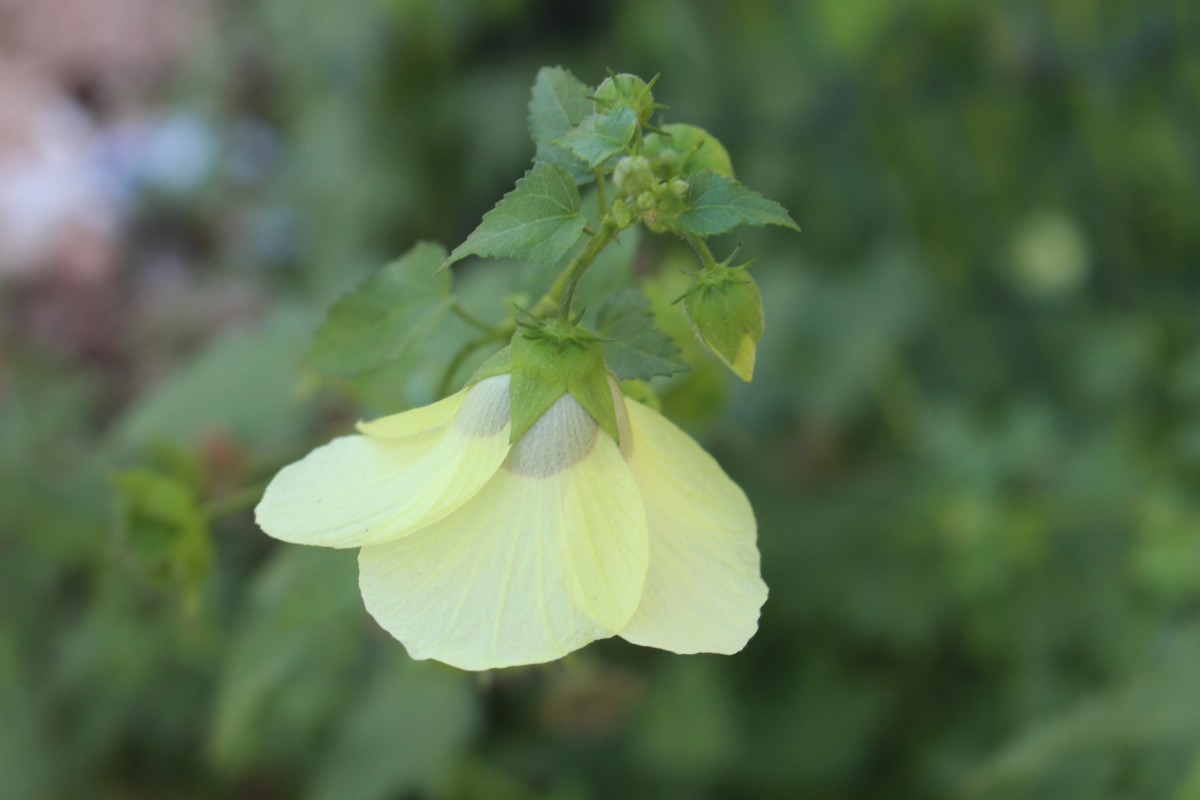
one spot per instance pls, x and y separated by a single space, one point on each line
634 175
725 309
626 90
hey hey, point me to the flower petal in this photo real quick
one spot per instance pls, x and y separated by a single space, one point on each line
550 555
360 490
703 589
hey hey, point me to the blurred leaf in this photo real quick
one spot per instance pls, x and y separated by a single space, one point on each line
688 724
537 221
636 347
163 527
407 728
241 385
560 101
716 204
289 669
601 136
1145 733
26 759
379 321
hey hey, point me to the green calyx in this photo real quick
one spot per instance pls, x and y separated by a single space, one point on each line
498 363
550 359
725 309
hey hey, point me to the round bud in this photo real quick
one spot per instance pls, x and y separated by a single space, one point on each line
626 90
621 213
634 175
686 149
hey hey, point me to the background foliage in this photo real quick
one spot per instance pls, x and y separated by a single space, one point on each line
972 441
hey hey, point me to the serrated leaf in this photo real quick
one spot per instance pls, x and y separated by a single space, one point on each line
601 136
636 347
559 102
384 316
570 163
538 221
716 204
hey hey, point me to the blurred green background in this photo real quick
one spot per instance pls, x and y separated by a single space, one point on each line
972 441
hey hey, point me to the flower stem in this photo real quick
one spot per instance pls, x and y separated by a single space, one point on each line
600 194
463 354
702 250
471 319
580 265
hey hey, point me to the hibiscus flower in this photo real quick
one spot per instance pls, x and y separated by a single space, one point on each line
481 553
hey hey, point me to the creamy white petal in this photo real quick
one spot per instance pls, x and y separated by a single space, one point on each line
551 554
360 490
703 589
417 421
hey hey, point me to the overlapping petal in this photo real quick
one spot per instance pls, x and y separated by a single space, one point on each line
551 554
703 589
408 471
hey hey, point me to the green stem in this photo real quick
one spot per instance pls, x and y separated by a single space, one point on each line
471 319
600 192
702 250
463 354
580 265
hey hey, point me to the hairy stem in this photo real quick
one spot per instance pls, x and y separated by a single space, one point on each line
600 192
463 354
702 250
580 265
471 319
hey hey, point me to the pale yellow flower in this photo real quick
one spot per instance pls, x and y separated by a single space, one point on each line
482 554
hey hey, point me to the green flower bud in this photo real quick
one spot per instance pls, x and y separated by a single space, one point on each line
621 213
634 175
725 309
646 200
682 150
626 90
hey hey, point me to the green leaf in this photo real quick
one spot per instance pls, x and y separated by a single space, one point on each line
716 204
242 385
384 316
163 529
291 667
636 347
601 136
537 221
405 730
560 101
